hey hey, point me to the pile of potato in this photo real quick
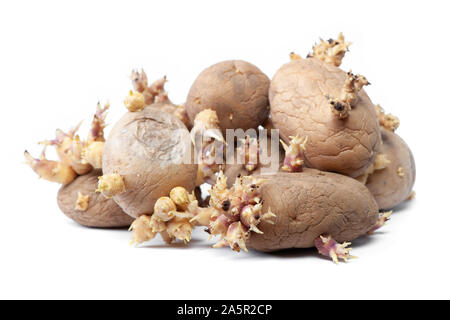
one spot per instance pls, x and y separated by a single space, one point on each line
342 166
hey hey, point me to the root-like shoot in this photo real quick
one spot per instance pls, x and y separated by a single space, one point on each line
98 124
383 217
204 134
294 154
328 247
50 170
62 143
75 156
353 84
250 150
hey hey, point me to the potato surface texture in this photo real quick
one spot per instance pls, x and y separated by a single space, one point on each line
100 212
313 203
393 184
299 106
148 149
236 90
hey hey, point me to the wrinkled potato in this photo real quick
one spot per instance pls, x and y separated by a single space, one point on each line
79 201
148 149
313 203
299 97
236 90
393 184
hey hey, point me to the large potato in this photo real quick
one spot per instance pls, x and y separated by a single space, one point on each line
313 203
236 90
299 106
98 211
393 184
151 151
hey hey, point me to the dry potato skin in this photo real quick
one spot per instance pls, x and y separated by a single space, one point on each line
236 90
299 106
165 106
142 148
101 212
311 203
386 185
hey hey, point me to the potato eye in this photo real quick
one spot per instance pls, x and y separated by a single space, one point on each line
226 205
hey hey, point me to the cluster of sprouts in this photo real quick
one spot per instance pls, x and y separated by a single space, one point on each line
237 211
150 94
232 214
76 156
173 217
331 51
387 121
145 95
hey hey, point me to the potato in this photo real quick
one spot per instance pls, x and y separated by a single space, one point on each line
393 184
300 104
236 90
313 203
149 150
177 110
79 201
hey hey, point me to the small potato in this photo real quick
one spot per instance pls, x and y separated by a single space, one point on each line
152 151
236 90
393 184
301 96
313 203
79 201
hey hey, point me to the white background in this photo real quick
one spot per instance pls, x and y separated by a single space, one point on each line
57 59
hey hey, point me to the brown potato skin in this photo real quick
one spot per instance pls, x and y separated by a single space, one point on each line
298 105
101 212
141 148
312 203
388 188
165 106
233 87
